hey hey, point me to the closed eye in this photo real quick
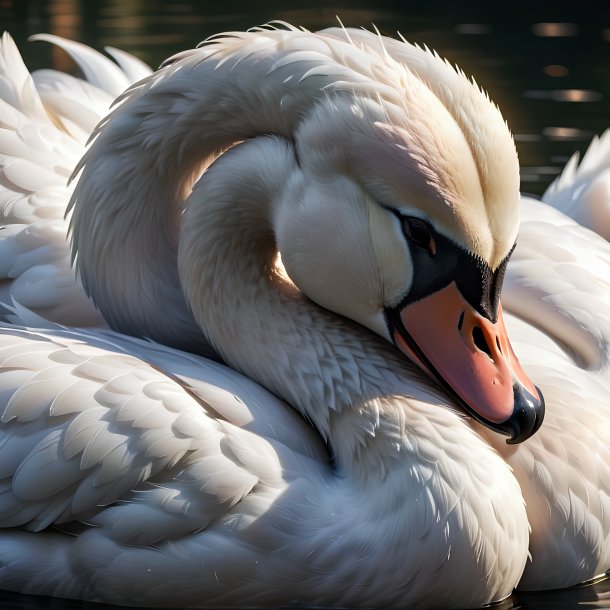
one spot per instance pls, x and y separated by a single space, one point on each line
419 232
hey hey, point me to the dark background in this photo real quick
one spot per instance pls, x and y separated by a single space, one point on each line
547 65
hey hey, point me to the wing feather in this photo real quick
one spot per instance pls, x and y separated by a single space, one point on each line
93 433
98 70
45 472
582 192
45 120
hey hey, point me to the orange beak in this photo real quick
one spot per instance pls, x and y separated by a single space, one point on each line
472 359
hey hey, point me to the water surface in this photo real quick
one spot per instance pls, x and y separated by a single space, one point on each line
547 68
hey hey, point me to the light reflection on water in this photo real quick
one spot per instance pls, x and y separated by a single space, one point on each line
565 95
549 74
555 30
549 70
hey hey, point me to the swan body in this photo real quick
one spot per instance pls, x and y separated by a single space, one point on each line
582 191
321 466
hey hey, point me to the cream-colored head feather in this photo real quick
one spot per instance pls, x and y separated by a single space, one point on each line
397 137
459 138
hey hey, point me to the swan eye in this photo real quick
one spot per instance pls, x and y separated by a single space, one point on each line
420 234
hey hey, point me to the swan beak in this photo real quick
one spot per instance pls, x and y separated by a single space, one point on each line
472 359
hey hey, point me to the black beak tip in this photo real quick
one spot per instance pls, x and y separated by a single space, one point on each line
526 418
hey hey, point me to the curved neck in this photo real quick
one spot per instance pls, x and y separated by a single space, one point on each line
166 130
135 177
331 370
398 453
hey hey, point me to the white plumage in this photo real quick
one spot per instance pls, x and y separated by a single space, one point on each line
135 473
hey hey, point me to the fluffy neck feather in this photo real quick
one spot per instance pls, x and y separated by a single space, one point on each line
349 383
257 319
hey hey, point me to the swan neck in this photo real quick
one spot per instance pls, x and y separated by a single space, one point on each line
145 156
328 368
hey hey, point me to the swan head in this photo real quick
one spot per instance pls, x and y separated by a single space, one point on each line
406 216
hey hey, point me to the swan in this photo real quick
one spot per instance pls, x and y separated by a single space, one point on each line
328 459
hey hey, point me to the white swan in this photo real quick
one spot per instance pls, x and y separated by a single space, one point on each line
133 473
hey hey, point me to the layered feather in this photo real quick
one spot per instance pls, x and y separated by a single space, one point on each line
134 473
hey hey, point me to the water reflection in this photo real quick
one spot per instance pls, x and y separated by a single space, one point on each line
566 133
555 70
517 60
555 30
473 28
565 95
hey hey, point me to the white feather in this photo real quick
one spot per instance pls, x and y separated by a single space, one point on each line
583 191
134 473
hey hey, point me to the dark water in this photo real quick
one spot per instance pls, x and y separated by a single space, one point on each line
547 67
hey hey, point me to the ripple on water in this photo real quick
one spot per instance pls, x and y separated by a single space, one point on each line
565 95
566 133
555 30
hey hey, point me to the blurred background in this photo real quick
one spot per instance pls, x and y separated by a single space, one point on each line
546 65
